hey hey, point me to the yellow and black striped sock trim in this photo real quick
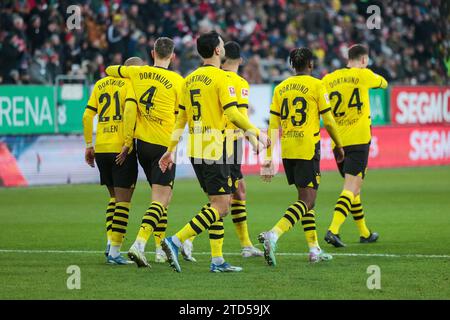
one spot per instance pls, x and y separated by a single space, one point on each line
357 211
343 205
153 215
238 211
110 213
216 230
120 219
162 224
203 220
309 221
295 211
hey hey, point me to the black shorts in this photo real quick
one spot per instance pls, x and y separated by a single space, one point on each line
214 178
149 155
113 175
234 162
304 173
355 160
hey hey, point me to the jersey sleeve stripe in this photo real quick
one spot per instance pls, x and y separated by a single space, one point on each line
181 107
275 113
325 110
131 99
91 108
243 105
118 71
229 105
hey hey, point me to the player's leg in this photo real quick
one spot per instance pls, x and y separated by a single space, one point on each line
109 217
213 179
104 165
239 216
160 233
125 177
161 184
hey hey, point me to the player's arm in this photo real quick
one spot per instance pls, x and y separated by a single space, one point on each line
329 122
88 117
227 97
129 123
267 169
168 158
118 71
374 80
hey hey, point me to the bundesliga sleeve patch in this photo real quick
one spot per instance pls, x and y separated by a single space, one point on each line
244 93
232 91
326 97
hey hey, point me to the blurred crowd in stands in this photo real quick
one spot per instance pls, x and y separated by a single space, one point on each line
410 47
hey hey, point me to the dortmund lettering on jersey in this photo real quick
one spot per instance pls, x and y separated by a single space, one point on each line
108 101
348 90
157 92
206 93
298 101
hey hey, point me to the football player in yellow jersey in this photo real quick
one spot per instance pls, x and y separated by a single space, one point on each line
208 95
151 121
349 95
234 144
109 98
298 102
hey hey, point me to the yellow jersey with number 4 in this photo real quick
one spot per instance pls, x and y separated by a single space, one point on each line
157 93
108 101
298 101
348 89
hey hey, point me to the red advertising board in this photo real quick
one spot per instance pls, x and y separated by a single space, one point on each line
391 147
420 104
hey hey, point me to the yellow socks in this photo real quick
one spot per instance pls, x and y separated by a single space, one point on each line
341 210
239 216
309 227
216 234
150 221
119 223
202 221
358 216
109 217
159 232
290 218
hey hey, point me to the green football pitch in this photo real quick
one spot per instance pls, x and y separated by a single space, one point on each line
44 230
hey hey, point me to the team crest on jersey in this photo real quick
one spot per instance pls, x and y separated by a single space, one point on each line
244 93
232 91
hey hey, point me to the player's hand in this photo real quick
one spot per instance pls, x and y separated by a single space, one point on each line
89 156
256 145
166 161
120 158
267 171
339 154
264 140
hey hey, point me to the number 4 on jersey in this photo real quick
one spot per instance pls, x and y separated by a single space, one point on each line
147 98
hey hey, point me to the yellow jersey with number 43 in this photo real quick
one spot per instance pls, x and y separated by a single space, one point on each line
157 93
298 101
348 90
108 101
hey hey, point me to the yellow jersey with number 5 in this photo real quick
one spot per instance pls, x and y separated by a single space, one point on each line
298 101
207 92
108 101
348 90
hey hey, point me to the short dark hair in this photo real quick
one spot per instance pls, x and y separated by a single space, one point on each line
206 44
164 47
300 58
356 51
232 50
